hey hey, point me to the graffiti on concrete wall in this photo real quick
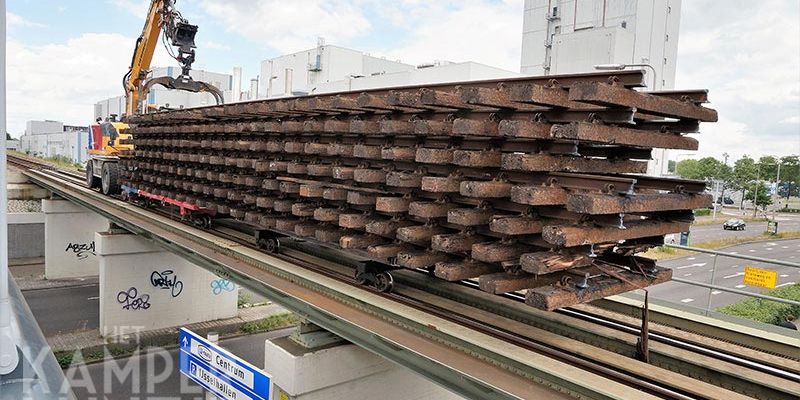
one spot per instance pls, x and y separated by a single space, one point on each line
222 285
167 280
132 300
81 250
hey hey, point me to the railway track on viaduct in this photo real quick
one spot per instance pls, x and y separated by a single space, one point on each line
478 344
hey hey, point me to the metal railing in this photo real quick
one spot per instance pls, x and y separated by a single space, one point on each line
712 287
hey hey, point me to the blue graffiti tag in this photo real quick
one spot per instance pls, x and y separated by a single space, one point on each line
220 285
131 300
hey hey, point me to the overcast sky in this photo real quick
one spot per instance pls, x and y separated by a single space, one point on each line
65 56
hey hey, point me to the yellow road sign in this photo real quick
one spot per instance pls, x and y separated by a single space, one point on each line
760 277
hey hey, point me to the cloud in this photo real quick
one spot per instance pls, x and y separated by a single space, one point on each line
89 68
488 32
16 21
210 44
137 8
289 26
748 55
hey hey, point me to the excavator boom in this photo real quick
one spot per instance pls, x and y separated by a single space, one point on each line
163 17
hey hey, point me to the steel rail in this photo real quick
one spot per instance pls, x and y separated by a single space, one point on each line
472 364
703 366
742 333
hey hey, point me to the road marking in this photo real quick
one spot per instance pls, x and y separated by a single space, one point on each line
771 244
687 300
734 252
740 286
735 266
752 250
93 298
692 265
690 258
784 275
716 291
769 248
784 247
683 274
784 284
733 276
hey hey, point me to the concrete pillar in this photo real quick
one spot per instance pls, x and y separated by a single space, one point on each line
69 239
143 287
342 372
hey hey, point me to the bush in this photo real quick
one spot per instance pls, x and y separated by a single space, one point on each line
700 212
768 312
270 323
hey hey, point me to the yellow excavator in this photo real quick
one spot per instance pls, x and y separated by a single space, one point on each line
107 141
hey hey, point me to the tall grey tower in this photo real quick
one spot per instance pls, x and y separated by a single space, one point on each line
571 36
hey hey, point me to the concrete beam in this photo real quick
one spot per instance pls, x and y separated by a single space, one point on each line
26 191
343 372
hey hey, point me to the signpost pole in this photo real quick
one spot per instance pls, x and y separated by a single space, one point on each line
212 337
711 291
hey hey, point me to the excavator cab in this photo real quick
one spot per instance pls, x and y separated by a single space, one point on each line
106 143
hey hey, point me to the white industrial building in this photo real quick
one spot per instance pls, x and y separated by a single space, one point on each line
162 97
328 68
572 36
53 138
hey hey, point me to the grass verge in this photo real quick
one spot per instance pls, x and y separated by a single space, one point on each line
705 221
67 358
768 312
56 161
667 253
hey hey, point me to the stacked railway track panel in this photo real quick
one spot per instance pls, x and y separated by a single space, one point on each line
530 184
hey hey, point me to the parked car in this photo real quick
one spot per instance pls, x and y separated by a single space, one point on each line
734 225
727 200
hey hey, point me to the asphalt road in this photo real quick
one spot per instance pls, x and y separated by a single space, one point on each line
65 309
154 374
702 233
729 273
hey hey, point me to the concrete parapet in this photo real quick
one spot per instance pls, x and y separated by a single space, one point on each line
342 372
69 239
143 287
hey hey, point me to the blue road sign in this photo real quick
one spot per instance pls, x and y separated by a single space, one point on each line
219 371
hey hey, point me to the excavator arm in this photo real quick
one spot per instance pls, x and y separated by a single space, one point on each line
162 17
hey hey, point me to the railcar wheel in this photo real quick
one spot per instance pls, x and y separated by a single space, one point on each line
384 282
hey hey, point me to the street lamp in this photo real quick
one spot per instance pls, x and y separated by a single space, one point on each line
620 67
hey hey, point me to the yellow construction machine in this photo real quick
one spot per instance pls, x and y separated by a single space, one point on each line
107 140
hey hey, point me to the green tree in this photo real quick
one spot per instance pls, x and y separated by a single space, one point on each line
744 172
768 168
689 169
760 192
790 172
706 168
8 136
